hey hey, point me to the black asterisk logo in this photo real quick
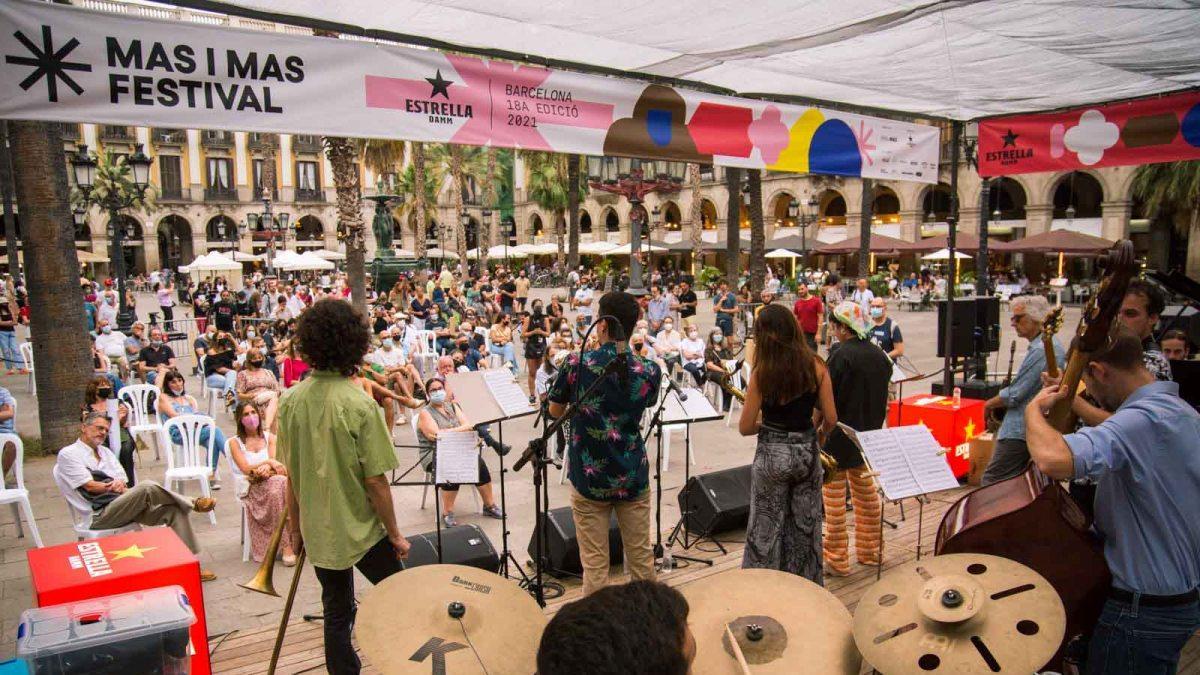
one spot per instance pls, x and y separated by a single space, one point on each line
48 63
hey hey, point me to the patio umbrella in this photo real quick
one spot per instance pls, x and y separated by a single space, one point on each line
440 253
246 257
305 261
511 252
964 241
329 255
1057 241
878 244
793 242
782 253
627 249
87 257
944 254
719 245
404 253
213 262
595 248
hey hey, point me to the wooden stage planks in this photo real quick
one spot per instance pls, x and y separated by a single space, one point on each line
249 653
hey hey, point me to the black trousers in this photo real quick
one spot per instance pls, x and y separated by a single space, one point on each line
337 602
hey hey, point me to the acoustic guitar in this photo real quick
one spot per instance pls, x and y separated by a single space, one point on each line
1030 518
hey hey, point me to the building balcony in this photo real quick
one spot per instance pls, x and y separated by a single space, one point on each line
220 195
257 141
172 194
116 133
216 139
303 195
70 133
166 136
306 143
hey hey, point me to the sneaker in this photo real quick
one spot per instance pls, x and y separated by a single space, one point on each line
203 505
207 575
532 400
448 520
493 511
401 419
214 485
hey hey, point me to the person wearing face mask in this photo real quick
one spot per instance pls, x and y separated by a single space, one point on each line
111 343
106 307
156 358
219 366
535 328
691 354
252 454
200 345
175 401
666 344
98 397
258 385
501 336
884 331
716 353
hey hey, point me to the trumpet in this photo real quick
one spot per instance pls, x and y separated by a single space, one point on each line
263 583
829 465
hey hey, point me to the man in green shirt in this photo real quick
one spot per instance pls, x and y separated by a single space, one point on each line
336 445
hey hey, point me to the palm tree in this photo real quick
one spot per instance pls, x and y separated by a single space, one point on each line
697 214
1174 187
458 162
575 193
733 223
493 208
421 197
548 188
758 264
61 349
341 154
864 227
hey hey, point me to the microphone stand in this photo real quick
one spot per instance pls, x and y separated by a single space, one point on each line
656 421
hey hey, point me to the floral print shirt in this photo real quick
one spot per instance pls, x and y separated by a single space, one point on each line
607 459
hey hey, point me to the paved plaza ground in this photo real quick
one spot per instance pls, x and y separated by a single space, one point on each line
229 607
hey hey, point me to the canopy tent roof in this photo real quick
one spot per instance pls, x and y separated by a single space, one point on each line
879 244
782 253
212 262
1056 241
957 60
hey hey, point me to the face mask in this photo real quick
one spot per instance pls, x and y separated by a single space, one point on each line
692 335
437 397
250 334
388 344
717 339
104 393
256 362
155 343
106 330
876 312
668 326
250 422
177 390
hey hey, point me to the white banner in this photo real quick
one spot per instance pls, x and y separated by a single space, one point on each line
68 64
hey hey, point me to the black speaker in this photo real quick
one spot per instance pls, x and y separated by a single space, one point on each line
461 545
962 333
970 389
717 502
562 546
987 323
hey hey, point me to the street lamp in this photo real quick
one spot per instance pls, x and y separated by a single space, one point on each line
272 225
635 178
85 168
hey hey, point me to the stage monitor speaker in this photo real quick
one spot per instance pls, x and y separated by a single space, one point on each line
717 502
562 546
987 323
962 333
461 545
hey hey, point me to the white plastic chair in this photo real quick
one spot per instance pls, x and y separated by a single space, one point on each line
189 459
426 359
668 429
142 418
494 359
18 496
241 486
27 357
81 512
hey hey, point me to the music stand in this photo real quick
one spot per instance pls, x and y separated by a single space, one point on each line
493 395
697 408
907 462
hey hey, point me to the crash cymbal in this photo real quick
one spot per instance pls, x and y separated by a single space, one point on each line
405 623
959 613
783 623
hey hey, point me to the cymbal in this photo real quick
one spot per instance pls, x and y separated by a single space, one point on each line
959 613
404 623
783 624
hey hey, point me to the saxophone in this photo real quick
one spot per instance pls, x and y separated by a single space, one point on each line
829 465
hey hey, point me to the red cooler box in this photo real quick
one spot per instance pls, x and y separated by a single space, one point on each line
128 562
952 425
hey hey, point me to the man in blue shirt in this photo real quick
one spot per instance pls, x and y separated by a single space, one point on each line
657 309
1011 454
1146 461
606 458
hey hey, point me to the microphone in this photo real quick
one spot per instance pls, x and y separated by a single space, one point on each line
671 384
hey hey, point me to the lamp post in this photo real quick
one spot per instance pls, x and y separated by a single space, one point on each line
634 179
271 224
510 230
113 200
804 218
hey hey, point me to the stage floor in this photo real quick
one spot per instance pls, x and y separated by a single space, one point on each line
249 652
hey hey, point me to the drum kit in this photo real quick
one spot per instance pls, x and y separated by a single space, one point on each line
959 613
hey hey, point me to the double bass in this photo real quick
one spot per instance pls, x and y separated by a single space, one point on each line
1030 518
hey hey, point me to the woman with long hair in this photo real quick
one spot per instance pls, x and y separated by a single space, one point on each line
534 330
790 387
252 453
98 397
258 385
175 401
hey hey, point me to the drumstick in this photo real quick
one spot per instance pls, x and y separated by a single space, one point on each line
737 651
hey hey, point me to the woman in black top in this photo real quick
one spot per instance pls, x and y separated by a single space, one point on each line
534 330
790 386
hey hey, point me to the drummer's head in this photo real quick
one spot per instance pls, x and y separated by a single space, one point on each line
639 627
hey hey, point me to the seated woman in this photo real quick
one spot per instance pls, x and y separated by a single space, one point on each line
691 351
715 356
220 372
441 415
175 401
259 386
102 367
292 366
96 397
252 453
375 384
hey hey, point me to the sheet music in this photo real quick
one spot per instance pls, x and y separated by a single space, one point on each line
696 408
907 459
457 457
508 394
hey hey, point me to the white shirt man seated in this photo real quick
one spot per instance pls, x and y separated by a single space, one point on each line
111 343
93 470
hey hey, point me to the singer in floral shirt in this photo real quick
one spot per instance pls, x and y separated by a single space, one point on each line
606 458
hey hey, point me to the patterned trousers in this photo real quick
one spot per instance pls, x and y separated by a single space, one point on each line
868 539
784 531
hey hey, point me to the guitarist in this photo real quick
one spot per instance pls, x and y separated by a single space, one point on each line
1011 454
1144 457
